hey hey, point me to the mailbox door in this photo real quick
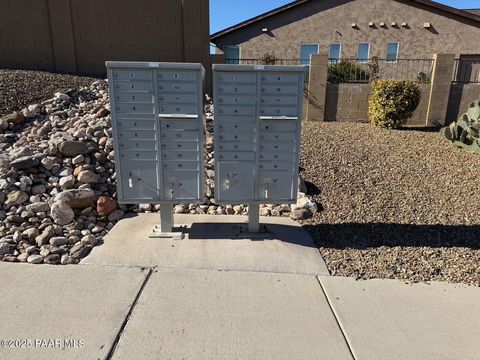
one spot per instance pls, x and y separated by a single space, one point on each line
275 186
235 181
139 181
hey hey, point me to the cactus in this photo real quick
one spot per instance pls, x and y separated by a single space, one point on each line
465 132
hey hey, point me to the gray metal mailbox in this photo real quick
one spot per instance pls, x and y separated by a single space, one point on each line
158 129
258 112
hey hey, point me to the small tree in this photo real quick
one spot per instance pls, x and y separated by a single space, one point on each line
269 59
392 102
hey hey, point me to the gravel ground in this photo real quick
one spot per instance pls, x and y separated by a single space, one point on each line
20 88
395 204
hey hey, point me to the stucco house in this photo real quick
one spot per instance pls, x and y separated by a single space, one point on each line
360 29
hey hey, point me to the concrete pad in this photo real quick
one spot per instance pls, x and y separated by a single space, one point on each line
64 312
388 319
212 244
202 314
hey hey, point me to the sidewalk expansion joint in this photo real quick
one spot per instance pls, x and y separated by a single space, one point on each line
127 318
342 330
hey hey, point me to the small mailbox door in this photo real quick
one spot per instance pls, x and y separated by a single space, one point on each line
235 180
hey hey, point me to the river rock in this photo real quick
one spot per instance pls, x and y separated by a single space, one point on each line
106 205
87 177
73 148
77 198
61 213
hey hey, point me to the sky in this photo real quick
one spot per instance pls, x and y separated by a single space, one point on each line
225 13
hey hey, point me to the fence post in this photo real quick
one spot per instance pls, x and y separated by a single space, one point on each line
442 73
317 87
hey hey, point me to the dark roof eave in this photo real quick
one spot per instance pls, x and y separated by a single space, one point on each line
429 3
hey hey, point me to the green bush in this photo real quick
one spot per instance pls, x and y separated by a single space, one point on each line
392 102
346 71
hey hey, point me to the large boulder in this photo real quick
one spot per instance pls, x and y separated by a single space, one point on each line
77 198
73 148
61 213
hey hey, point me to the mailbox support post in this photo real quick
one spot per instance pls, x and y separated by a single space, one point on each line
253 218
166 218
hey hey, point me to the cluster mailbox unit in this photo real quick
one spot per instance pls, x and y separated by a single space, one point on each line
258 112
158 128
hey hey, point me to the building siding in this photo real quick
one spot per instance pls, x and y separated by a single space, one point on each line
325 22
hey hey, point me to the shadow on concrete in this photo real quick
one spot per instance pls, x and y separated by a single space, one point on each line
238 231
363 236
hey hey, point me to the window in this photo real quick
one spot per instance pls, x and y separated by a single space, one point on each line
306 50
392 52
335 52
232 54
363 52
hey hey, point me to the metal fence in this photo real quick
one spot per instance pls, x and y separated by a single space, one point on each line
365 71
264 61
466 71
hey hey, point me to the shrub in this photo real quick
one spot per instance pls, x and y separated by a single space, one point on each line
392 102
269 59
346 71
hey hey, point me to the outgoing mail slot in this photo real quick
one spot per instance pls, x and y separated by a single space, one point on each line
278 111
276 156
236 110
280 136
177 75
177 88
276 146
129 97
276 166
180 165
237 89
180 155
236 156
136 134
180 145
139 181
231 146
132 75
137 145
279 100
138 155
235 181
181 185
275 185
279 78
237 78
182 124
177 109
271 126
237 100
180 135
279 89
234 136
133 86
237 126
177 99
134 124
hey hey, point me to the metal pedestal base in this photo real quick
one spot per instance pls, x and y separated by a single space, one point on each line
253 218
166 229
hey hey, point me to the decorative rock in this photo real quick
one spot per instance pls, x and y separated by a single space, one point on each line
44 237
87 177
78 159
67 182
16 198
265 211
31 233
23 257
238 209
106 205
48 162
38 207
305 203
116 215
73 148
35 259
58 241
102 112
77 198
4 248
52 259
80 250
301 214
25 162
61 213
38 189
15 118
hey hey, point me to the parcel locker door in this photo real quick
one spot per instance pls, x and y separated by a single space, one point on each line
235 181
181 185
275 186
139 181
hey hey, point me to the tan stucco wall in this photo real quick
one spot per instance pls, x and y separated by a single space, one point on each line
330 21
461 95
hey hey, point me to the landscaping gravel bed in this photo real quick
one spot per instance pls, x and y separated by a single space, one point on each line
19 88
398 204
